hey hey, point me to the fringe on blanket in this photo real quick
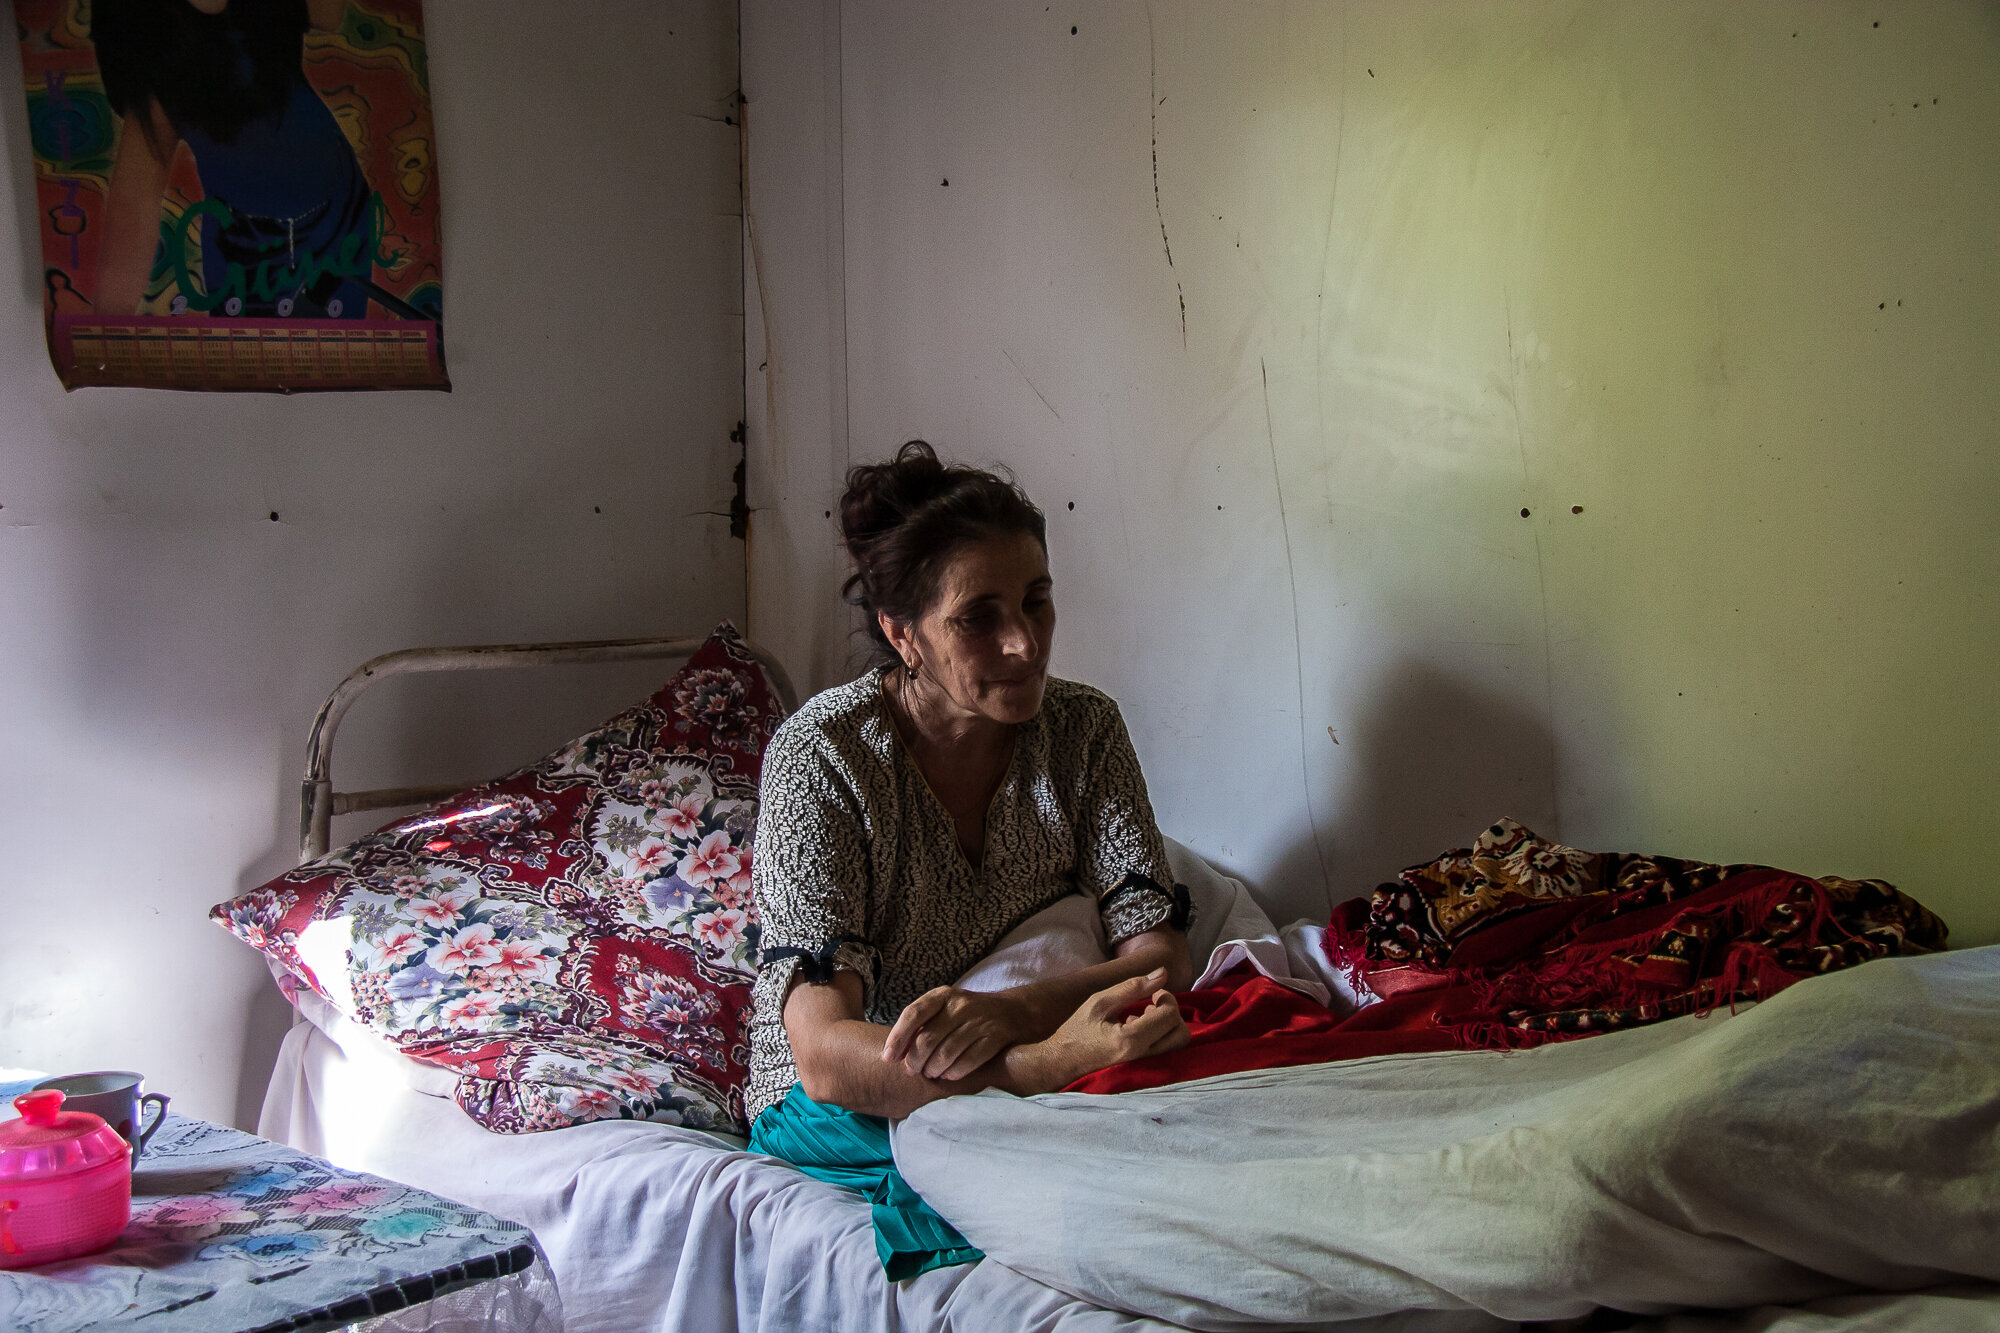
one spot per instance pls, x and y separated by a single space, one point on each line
1517 941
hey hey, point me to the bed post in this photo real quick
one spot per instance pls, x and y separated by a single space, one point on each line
319 802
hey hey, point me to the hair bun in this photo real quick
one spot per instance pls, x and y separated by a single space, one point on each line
882 495
902 518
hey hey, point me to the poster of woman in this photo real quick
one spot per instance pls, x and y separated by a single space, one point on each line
236 194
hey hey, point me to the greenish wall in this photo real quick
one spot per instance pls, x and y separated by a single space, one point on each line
1708 289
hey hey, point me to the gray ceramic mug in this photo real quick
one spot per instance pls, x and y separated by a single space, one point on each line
115 1095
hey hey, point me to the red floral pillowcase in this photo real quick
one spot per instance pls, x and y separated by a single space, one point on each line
576 941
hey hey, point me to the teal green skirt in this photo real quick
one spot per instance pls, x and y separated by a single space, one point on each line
850 1150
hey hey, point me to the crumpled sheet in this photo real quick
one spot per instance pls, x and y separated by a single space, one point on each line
647 1227
1844 1134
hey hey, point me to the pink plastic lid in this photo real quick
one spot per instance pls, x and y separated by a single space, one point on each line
48 1142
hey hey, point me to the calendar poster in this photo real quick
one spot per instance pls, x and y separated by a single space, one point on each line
236 194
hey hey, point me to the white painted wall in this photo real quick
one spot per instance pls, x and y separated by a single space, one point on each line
165 642
1709 290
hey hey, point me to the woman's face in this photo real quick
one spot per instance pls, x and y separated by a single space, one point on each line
983 644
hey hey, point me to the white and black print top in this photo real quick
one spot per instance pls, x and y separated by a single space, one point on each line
858 866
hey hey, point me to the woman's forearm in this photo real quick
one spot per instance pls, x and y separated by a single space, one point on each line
839 1057
844 1067
1050 1002
839 1054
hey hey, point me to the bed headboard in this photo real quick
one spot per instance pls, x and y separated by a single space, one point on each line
319 802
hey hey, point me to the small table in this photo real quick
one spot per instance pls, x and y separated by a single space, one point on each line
233 1232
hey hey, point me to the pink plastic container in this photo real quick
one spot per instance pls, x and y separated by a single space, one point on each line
65 1182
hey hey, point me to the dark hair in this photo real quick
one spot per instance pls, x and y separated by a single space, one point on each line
903 519
209 72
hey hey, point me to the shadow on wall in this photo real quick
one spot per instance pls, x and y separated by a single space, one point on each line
1439 759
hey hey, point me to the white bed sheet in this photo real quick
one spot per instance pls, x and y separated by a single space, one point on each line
650 1227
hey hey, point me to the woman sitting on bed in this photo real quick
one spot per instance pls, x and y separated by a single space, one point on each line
912 818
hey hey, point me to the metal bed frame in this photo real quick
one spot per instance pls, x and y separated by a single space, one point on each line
319 802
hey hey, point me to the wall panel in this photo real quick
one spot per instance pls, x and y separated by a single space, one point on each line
1579 412
167 639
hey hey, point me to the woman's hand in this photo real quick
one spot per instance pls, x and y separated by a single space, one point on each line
1128 1021
947 1033
844 1060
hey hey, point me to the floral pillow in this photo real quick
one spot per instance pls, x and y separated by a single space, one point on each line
576 941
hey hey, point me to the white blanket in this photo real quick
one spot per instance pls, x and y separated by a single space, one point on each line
1844 1134
1228 929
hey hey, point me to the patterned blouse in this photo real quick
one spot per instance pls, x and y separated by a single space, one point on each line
858 866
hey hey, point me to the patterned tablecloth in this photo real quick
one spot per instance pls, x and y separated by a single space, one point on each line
233 1232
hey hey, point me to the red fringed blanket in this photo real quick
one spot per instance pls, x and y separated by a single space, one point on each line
1518 941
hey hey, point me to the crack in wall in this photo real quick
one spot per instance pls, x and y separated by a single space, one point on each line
1549 693
1541 569
1514 383
1325 251
1030 383
1153 100
754 257
1298 648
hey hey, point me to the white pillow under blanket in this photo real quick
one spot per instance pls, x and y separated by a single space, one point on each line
1228 928
1065 937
